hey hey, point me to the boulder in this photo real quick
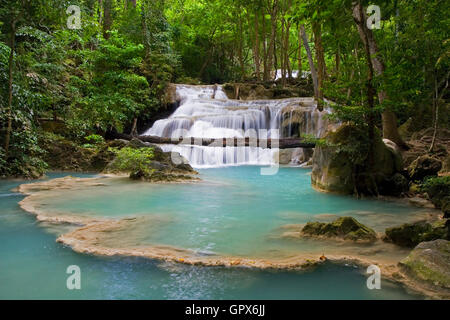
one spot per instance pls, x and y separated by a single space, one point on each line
162 167
137 144
411 234
171 96
285 156
347 228
335 170
424 166
396 153
65 155
117 143
429 264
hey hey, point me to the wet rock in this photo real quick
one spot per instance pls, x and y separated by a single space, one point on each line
411 234
137 144
347 228
171 96
117 143
424 166
429 263
285 156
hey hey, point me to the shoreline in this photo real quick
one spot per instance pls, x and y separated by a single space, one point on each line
85 239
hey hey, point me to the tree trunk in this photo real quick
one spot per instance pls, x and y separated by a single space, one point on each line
99 11
256 50
437 99
338 60
311 63
282 55
321 72
370 100
265 53
389 119
241 48
134 132
145 11
299 53
10 87
286 45
107 17
273 32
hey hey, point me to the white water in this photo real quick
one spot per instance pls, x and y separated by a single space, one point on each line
206 112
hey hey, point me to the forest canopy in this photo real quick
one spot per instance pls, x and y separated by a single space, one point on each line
112 73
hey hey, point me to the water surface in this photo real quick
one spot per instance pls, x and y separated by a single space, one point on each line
33 265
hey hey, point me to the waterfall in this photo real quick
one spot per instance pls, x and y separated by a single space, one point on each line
206 112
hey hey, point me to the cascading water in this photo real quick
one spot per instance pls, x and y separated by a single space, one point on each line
206 112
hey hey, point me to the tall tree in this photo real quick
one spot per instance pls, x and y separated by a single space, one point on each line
107 17
311 62
389 118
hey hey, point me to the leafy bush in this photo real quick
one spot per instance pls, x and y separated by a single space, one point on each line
310 138
132 160
438 190
94 140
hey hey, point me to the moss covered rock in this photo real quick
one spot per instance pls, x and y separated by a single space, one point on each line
65 155
146 162
429 263
347 228
340 166
411 234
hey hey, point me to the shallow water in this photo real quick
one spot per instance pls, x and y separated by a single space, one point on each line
234 211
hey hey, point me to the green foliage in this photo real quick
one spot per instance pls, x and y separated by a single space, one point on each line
311 138
96 85
93 141
352 143
114 92
438 190
131 160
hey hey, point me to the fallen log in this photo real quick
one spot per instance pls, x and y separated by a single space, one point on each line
283 143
